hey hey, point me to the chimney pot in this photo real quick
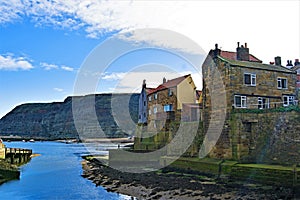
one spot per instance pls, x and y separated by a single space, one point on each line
238 44
245 45
216 46
271 63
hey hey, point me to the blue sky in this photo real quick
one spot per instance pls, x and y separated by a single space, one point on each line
43 44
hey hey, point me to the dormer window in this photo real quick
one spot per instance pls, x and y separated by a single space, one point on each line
250 79
281 83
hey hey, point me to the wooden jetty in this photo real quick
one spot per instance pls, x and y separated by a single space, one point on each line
14 155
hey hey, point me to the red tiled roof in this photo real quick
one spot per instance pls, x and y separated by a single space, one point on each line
149 90
169 84
232 56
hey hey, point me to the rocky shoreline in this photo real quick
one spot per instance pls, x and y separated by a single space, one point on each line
167 184
8 172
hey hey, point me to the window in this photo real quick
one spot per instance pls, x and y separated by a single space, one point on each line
281 83
149 112
150 98
288 100
240 101
263 103
168 107
250 79
144 103
155 96
155 110
144 115
170 92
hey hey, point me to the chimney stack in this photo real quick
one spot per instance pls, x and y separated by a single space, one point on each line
242 53
297 62
144 83
278 60
215 52
164 80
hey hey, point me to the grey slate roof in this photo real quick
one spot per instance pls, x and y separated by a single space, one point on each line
256 65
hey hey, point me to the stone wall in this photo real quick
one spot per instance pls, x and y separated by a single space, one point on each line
262 137
183 131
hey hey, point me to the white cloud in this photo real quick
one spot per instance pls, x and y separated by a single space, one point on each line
10 10
113 76
206 22
58 89
9 62
48 66
66 68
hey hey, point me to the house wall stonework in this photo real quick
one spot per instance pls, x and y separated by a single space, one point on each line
241 133
158 120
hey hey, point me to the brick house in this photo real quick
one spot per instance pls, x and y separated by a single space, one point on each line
247 84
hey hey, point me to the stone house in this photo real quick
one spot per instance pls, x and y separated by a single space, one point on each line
245 83
295 68
248 82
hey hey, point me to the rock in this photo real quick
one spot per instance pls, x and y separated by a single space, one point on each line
51 121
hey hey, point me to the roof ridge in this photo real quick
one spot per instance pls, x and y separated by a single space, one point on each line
169 83
256 65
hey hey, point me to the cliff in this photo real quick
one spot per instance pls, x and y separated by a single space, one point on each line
55 120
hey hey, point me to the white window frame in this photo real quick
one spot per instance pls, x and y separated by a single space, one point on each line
150 112
252 79
261 103
280 83
154 109
150 98
243 101
289 100
155 95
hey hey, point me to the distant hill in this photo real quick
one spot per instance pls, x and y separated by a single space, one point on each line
55 120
